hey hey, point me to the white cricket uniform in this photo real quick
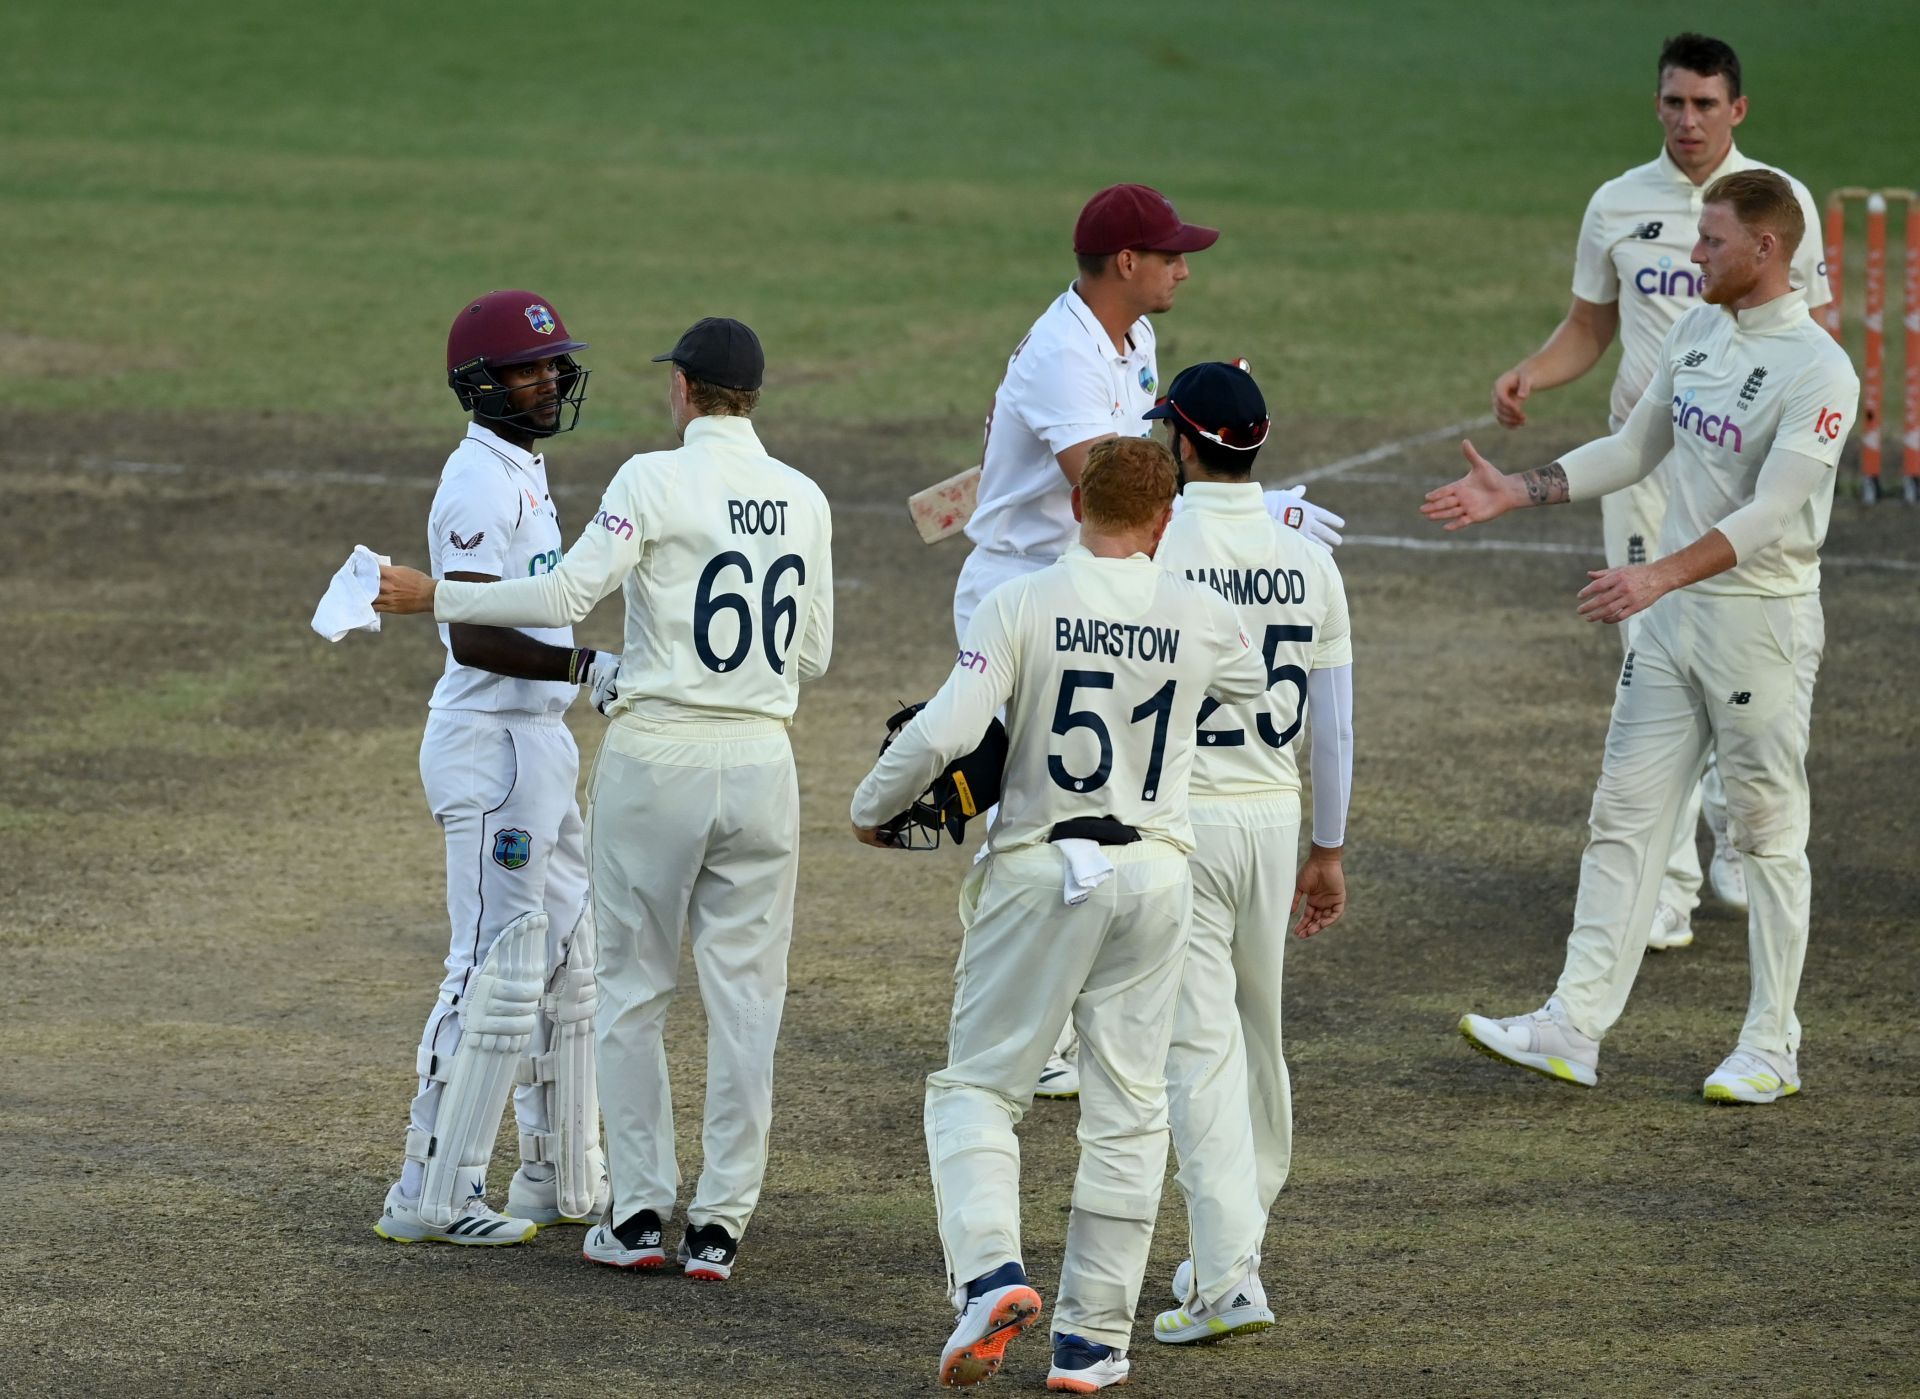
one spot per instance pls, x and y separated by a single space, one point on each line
1636 245
1738 402
497 762
1101 665
1227 1082
725 559
1066 383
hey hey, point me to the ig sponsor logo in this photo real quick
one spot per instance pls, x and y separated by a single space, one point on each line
1827 425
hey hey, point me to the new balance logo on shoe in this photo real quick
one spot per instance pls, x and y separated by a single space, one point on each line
710 1254
1739 697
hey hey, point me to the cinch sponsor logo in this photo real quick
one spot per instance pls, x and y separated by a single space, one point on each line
1689 416
1666 280
614 524
971 660
543 563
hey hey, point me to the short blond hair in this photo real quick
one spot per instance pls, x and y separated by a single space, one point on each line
1127 482
1762 199
718 401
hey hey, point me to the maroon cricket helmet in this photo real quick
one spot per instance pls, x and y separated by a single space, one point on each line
504 328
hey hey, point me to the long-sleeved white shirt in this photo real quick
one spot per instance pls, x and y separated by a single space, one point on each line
725 559
1101 665
1749 410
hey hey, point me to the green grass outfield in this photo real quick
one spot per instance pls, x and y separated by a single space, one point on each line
278 208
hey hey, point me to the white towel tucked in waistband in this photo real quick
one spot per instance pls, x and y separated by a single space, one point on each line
1087 868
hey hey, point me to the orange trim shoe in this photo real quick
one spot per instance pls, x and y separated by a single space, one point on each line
980 1337
1081 1366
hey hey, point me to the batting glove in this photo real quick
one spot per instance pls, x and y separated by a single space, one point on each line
1291 507
601 678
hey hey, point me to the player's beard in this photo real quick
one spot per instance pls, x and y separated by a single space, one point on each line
1730 285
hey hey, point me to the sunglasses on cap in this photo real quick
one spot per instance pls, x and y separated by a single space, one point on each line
1243 438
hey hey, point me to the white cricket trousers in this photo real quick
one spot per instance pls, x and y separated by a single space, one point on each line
693 826
502 788
983 571
1630 522
1228 1093
1028 961
1732 676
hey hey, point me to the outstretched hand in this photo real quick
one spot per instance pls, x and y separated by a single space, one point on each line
1481 495
403 590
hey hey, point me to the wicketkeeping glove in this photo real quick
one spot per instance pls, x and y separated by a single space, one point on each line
1321 526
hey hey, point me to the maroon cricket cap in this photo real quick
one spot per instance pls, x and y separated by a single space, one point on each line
1136 216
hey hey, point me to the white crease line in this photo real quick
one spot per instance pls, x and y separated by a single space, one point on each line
875 507
1387 450
1547 546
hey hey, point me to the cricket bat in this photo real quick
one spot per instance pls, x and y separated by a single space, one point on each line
944 509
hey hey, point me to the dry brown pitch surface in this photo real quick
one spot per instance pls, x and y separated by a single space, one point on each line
222 920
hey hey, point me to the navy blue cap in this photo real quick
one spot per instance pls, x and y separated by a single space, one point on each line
720 351
1218 401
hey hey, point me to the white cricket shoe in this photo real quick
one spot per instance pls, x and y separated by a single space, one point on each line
981 1333
636 1243
1543 1042
1183 1282
1243 1310
1750 1076
1670 929
1728 877
474 1226
1081 1366
1060 1079
539 1200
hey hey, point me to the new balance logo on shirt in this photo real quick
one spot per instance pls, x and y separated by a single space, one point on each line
1739 697
1693 359
1648 231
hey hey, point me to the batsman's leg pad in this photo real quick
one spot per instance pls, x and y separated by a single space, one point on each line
496 1027
565 1073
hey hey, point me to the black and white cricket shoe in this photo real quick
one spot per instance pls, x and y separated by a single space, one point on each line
707 1253
474 1225
633 1243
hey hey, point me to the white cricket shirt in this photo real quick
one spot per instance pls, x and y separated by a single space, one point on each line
1065 383
1101 665
1732 387
1636 246
493 514
725 559
1291 603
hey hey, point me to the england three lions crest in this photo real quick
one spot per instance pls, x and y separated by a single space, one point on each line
541 319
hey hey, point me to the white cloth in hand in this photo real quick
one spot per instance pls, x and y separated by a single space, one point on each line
347 604
602 679
1321 526
1087 868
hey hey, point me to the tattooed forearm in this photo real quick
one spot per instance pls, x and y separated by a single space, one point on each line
1546 486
